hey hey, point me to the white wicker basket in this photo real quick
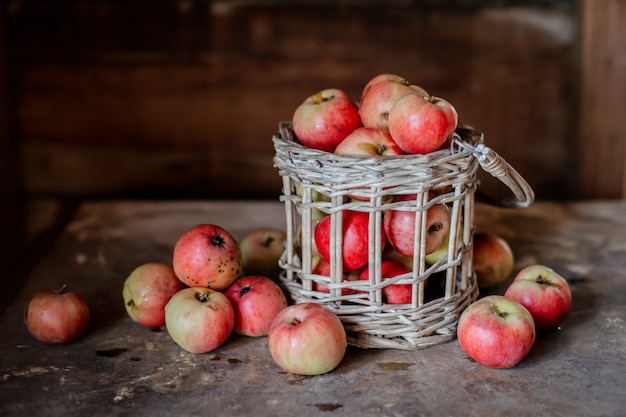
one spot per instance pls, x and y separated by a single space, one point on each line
441 291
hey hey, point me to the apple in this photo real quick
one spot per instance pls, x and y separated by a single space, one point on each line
394 293
399 226
56 316
378 98
199 319
324 119
322 267
496 331
421 124
206 255
544 293
307 339
368 141
261 250
439 253
146 291
256 299
381 77
355 228
492 259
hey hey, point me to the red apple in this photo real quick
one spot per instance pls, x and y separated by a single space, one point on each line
261 250
394 293
322 267
146 291
421 124
324 119
378 98
56 316
492 259
256 300
544 293
307 339
355 239
199 319
378 78
206 255
496 331
399 226
368 141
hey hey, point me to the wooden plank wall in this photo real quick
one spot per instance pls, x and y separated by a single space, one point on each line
179 99
603 99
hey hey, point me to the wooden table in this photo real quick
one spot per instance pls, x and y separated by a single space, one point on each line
121 368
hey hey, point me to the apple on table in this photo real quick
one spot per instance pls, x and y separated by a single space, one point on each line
57 316
147 290
261 250
256 300
496 331
544 293
198 319
207 255
307 339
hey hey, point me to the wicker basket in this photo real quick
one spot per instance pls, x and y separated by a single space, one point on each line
317 183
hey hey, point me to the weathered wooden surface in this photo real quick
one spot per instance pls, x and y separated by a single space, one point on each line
120 368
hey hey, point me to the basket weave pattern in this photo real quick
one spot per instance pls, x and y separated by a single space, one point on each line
317 183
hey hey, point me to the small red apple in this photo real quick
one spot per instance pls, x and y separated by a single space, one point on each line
496 331
56 316
544 293
399 226
256 300
307 339
199 319
394 293
146 291
355 251
324 119
368 141
492 259
378 78
261 250
421 124
206 255
378 98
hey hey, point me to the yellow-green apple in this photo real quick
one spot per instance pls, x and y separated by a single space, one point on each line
399 226
394 293
492 259
206 255
199 319
256 299
378 98
421 124
368 141
316 197
260 251
57 316
146 291
496 331
544 293
355 234
324 119
307 339
439 253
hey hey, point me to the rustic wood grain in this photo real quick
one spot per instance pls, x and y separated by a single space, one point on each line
106 91
120 368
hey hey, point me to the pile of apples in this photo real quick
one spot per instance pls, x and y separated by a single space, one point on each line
393 117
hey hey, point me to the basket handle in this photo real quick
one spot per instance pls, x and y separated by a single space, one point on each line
494 164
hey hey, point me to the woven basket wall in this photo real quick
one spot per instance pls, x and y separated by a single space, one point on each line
317 183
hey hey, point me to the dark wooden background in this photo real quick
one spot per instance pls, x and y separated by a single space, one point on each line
179 99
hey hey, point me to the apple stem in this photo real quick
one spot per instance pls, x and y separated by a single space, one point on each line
63 289
268 241
295 321
203 297
498 312
216 240
543 280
